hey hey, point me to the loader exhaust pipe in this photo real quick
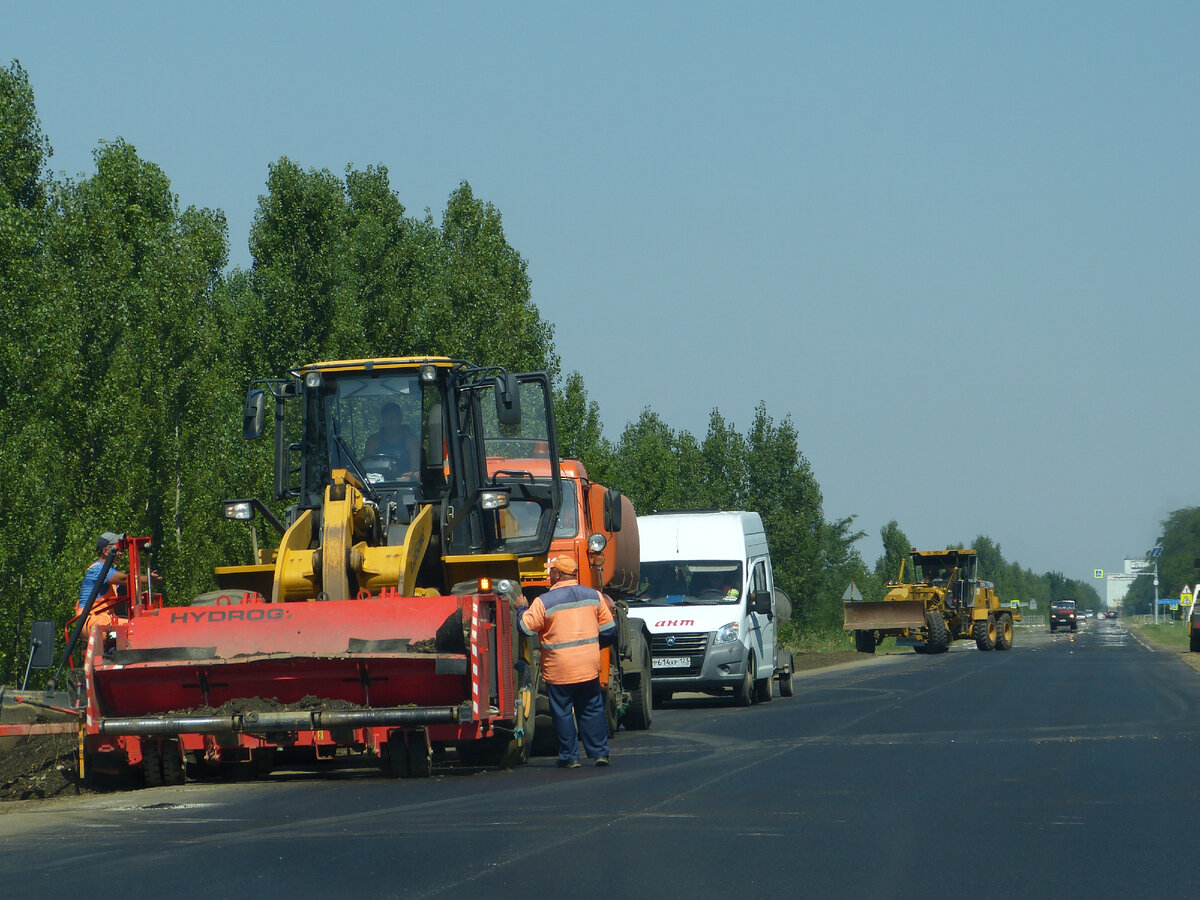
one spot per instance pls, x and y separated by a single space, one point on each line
300 720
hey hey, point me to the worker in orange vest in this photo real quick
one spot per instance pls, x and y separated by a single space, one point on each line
573 622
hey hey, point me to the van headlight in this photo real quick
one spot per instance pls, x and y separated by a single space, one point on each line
726 634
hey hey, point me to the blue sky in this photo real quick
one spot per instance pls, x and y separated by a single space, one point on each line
956 243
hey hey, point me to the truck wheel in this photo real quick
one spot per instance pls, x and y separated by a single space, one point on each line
743 694
864 641
1004 632
610 704
984 632
637 717
939 634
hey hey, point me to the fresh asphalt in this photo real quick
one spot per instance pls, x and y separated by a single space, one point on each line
1063 768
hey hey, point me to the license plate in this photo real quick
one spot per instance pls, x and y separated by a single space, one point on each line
672 662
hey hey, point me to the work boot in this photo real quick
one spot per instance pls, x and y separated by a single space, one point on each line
568 764
602 762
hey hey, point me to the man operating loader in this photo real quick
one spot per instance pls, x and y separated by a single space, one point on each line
573 622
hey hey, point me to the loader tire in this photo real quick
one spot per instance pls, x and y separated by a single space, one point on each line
864 641
1004 632
172 764
984 632
152 772
743 694
939 634
641 701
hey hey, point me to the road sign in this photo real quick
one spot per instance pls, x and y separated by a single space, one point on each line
852 592
1154 553
1097 573
1015 604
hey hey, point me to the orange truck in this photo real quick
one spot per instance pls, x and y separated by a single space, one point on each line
597 527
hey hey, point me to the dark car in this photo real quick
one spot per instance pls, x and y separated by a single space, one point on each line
1062 615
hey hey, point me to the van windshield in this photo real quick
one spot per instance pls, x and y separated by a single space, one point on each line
690 582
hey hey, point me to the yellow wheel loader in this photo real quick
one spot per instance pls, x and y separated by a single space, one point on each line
945 601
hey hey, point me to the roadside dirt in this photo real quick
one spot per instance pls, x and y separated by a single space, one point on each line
802 662
37 768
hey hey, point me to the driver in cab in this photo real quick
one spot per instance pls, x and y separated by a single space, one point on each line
395 439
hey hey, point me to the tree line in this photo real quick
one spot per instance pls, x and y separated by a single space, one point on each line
1178 564
129 343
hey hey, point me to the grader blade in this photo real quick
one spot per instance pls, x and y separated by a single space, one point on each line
866 615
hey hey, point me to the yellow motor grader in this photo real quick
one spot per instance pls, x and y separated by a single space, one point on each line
945 601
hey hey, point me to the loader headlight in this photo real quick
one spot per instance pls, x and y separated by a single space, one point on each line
314 380
726 634
493 499
428 373
239 510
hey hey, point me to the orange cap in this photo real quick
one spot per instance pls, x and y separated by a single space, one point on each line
565 564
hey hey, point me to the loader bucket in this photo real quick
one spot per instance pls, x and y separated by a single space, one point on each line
886 615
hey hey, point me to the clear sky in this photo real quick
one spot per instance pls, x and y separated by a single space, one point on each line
956 242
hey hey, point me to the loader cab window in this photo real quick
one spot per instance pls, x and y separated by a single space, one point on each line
376 425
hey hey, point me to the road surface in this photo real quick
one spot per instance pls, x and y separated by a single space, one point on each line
1061 768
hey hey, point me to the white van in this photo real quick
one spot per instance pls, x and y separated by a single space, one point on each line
707 598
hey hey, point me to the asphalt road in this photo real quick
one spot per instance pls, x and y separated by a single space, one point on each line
1062 768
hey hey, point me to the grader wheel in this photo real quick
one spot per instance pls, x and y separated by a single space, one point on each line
939 634
984 632
1004 632
864 641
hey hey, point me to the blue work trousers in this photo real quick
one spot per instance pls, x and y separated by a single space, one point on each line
582 701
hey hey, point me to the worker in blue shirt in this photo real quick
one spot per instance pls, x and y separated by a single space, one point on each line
114 577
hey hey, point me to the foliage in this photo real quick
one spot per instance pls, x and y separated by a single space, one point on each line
1180 540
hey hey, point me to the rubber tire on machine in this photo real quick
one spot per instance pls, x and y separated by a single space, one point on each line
864 641
786 686
984 632
610 705
743 694
641 701
173 770
1194 641
420 760
152 772
1004 632
939 634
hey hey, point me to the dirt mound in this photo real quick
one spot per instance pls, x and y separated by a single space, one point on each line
40 767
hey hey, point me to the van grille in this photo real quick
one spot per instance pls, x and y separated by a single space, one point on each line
691 645
682 645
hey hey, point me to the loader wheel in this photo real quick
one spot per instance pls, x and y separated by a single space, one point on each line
864 641
152 773
743 694
420 760
939 634
1004 632
984 632
172 764
637 717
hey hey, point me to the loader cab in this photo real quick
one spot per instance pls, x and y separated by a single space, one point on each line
413 433
951 570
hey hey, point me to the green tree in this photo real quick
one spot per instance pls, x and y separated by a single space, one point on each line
896 547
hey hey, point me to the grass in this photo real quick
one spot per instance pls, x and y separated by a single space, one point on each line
1169 634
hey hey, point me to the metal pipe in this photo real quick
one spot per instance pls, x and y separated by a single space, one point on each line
300 720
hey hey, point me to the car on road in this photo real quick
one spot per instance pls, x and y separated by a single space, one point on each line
1062 615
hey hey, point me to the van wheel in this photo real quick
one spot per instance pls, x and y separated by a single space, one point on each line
786 688
764 689
743 694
